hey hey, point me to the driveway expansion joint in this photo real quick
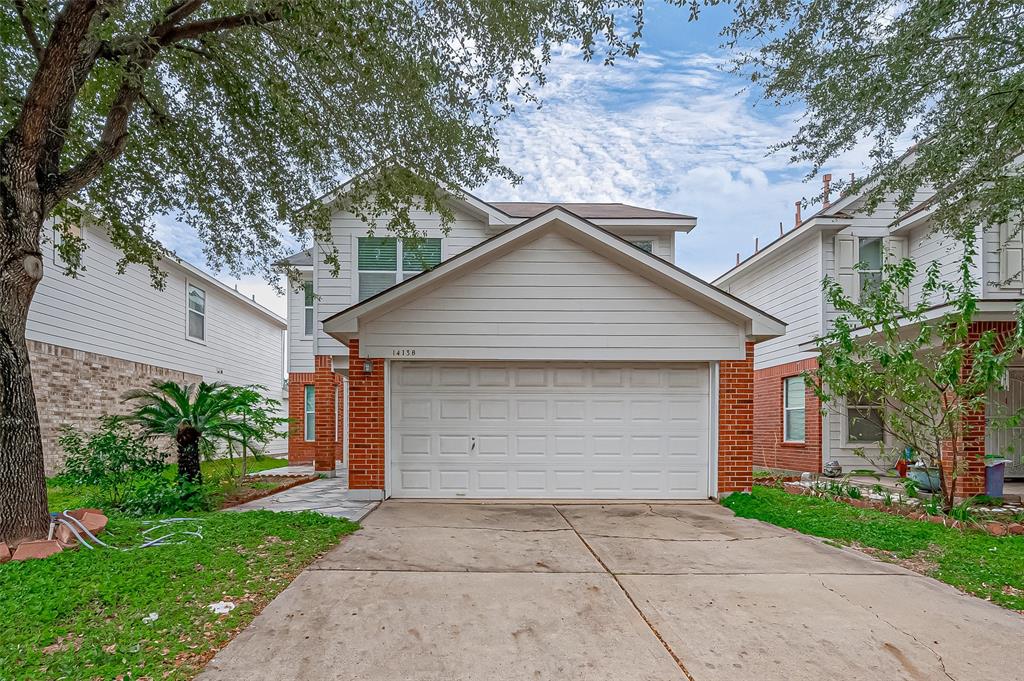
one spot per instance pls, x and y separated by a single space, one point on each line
688 541
629 597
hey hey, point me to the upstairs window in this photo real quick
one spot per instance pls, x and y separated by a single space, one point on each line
307 290
644 245
793 409
386 261
870 251
196 324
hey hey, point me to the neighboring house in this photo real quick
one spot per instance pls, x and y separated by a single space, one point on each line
535 350
93 337
785 279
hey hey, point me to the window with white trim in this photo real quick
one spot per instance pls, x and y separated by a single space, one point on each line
309 425
196 313
793 420
644 245
864 419
307 292
385 261
869 249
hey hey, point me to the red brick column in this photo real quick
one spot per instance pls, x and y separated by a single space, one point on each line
770 450
366 422
971 476
736 423
326 383
299 450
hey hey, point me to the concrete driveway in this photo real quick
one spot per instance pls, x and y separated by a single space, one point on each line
509 592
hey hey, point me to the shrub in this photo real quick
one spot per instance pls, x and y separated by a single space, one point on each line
156 494
107 459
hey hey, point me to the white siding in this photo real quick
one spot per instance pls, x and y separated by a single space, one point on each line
300 346
991 277
787 286
335 294
926 247
123 316
552 299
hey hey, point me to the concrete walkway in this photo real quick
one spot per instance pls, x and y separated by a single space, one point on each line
632 592
328 496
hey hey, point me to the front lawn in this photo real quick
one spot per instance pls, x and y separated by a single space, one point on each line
64 496
978 563
80 614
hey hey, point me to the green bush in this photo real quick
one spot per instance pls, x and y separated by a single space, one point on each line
107 460
156 494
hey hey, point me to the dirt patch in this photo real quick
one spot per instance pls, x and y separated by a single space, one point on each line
259 486
922 562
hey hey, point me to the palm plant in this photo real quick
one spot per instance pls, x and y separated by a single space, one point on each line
195 416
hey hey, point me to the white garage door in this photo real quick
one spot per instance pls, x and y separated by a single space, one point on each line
549 430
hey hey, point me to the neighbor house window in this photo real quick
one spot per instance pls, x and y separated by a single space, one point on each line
793 409
864 416
870 250
307 290
310 413
644 245
196 313
386 261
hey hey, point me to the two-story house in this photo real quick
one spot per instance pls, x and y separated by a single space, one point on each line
532 350
95 336
848 243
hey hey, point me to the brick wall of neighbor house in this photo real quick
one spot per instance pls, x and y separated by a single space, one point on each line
74 387
970 479
769 449
366 423
735 423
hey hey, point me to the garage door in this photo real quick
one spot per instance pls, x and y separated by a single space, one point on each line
549 430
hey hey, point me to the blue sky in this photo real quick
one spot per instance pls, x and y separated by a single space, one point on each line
670 130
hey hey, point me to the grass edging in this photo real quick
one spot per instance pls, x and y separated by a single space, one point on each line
980 564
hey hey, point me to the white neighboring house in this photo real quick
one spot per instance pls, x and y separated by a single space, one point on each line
93 337
785 279
534 350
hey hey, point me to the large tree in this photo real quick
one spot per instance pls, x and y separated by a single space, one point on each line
946 74
231 115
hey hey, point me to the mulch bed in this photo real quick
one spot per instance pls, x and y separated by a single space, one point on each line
247 492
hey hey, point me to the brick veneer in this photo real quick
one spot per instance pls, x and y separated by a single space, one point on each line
326 449
769 449
366 422
74 387
971 477
735 423
299 450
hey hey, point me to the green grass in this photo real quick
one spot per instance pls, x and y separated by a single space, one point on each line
78 615
63 496
986 566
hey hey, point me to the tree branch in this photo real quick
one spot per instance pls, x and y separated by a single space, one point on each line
198 28
30 30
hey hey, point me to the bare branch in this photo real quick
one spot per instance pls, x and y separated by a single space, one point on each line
198 28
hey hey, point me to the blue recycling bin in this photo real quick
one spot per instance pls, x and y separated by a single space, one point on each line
995 472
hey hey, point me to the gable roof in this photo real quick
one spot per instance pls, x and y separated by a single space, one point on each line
761 325
529 209
300 259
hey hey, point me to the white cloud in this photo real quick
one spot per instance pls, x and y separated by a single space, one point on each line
670 131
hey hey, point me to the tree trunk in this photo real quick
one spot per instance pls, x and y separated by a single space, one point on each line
188 455
23 510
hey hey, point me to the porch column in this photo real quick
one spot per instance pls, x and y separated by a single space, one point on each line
325 382
971 476
366 434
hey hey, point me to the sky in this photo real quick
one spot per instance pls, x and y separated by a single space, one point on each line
671 130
